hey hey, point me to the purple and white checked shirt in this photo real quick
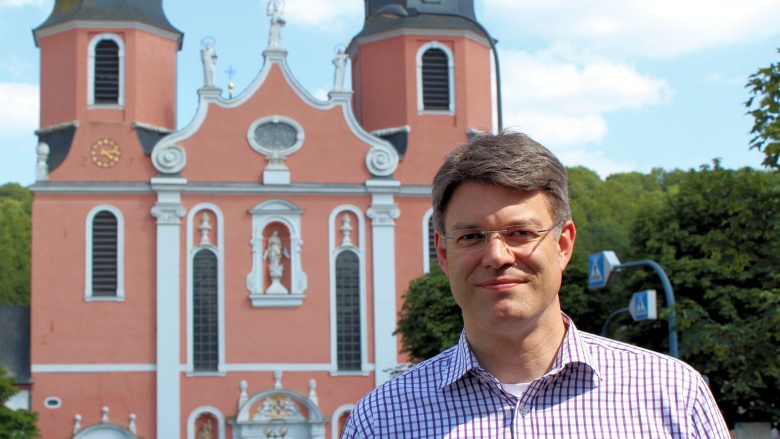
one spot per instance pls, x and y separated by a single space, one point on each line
596 388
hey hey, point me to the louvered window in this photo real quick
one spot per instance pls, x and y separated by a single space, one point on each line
435 80
348 344
205 331
106 81
104 254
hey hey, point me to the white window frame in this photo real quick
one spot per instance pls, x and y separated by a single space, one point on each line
450 77
206 410
193 223
91 71
336 248
427 256
120 256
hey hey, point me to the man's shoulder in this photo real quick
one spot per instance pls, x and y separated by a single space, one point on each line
606 353
422 377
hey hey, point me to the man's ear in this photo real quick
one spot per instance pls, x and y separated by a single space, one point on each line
566 243
441 252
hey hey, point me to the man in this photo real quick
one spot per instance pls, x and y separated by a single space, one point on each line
504 235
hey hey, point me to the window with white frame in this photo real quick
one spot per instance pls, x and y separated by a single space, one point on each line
205 290
205 311
349 333
106 70
435 78
348 325
104 276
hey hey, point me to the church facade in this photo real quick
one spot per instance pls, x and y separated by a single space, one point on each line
240 276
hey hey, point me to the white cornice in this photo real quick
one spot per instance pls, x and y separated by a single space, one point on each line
103 24
438 33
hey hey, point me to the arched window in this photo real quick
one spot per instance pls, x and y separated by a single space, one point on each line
205 311
429 245
348 340
104 254
435 78
106 70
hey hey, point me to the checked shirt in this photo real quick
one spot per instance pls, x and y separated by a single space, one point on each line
596 388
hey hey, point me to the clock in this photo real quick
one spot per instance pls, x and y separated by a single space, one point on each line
105 153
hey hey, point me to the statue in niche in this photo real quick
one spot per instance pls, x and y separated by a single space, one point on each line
273 253
205 431
209 57
340 61
275 10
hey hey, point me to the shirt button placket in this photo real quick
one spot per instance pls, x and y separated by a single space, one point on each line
525 410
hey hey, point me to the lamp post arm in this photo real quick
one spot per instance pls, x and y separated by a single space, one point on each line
609 319
669 299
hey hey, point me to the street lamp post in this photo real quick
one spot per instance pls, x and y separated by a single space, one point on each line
397 11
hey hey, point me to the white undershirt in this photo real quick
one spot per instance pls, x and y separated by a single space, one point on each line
516 389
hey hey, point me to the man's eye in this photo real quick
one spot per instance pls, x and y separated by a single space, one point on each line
470 237
520 233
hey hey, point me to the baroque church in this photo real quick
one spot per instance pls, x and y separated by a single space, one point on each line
240 276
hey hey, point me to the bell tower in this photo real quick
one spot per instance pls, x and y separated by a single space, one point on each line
108 88
421 78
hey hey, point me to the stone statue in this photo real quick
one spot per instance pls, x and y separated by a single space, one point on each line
209 57
205 431
340 61
275 10
274 253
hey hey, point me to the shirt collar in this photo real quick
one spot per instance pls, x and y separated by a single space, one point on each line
572 351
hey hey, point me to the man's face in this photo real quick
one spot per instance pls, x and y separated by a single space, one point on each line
500 286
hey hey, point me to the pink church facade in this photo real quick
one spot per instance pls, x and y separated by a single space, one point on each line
240 276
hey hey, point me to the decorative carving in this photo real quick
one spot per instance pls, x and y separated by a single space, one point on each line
205 431
277 379
104 418
340 61
312 392
76 424
242 398
169 159
384 215
131 426
278 407
346 229
168 213
204 228
273 253
381 162
275 10
42 168
209 57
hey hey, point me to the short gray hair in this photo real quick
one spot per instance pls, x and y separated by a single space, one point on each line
506 159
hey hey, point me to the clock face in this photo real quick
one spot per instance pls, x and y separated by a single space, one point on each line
105 153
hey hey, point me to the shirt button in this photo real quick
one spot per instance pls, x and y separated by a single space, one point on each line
525 410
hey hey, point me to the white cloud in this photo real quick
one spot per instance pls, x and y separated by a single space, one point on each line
329 15
19 3
549 82
20 109
657 28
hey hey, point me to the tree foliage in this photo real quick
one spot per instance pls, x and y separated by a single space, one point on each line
430 320
15 244
716 238
764 106
14 424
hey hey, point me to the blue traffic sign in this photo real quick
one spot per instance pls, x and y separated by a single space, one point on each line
601 267
643 305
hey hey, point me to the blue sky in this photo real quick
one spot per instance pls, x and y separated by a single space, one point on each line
611 85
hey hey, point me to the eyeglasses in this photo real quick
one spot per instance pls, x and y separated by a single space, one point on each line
472 240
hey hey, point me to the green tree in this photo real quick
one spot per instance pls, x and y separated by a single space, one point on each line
14 424
716 237
764 106
15 244
430 320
